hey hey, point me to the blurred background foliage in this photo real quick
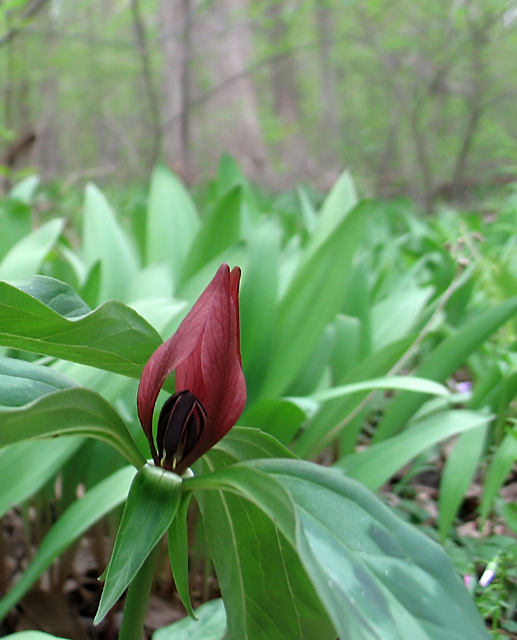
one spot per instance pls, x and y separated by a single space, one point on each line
415 97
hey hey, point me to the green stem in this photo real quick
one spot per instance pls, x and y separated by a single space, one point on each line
137 598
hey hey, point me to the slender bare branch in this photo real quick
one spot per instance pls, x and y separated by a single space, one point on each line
27 15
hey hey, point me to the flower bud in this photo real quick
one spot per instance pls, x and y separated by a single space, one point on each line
180 425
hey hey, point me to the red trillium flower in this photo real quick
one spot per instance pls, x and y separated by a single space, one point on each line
210 387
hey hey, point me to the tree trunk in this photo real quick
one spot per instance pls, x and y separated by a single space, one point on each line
329 102
286 100
231 117
176 19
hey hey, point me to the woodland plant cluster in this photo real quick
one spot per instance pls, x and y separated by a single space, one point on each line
378 348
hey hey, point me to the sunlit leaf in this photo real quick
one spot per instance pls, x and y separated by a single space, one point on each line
113 337
210 624
152 503
75 411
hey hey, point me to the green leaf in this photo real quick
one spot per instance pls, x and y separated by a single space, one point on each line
75 411
113 337
56 295
228 175
266 592
71 525
27 256
281 418
258 299
44 458
105 241
210 624
395 316
339 202
458 473
220 230
15 224
377 464
500 466
448 356
32 635
22 382
244 443
151 505
178 553
377 576
408 383
327 423
172 221
25 189
313 299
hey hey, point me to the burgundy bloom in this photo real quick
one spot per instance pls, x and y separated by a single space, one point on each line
210 387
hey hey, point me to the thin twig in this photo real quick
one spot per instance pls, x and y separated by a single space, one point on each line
147 75
29 13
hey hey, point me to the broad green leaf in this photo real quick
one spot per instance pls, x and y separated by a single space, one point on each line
229 175
395 316
448 356
500 466
71 525
258 299
25 189
22 382
15 224
32 635
313 299
327 422
155 281
44 458
316 374
244 443
266 593
75 411
172 221
281 418
56 295
379 462
220 230
164 314
105 241
458 472
347 336
339 202
357 302
408 383
210 624
377 576
309 215
27 256
113 337
153 500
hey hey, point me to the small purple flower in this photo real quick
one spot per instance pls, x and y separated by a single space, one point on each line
487 577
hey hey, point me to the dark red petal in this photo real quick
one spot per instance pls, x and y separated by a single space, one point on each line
175 351
221 387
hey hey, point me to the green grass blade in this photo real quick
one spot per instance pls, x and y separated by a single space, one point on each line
106 242
377 464
448 356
